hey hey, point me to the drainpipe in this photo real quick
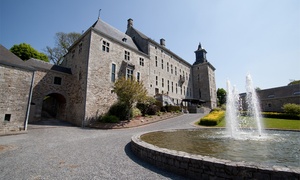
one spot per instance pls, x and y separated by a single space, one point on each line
29 102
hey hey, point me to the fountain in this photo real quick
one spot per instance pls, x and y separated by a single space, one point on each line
234 120
236 152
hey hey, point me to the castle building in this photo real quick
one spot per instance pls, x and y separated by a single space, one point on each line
103 54
82 86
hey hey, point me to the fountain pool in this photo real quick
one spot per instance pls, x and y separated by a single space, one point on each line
234 152
277 148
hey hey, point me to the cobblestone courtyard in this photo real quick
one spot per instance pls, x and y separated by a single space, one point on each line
67 152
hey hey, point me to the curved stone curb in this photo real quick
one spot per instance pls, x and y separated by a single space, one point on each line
204 167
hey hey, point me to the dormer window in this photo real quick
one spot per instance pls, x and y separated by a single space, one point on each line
124 39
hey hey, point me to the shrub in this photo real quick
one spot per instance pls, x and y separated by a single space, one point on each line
291 108
213 118
280 115
136 112
142 107
152 109
160 106
171 108
110 119
119 110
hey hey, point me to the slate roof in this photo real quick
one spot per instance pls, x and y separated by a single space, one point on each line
38 64
159 45
114 33
10 59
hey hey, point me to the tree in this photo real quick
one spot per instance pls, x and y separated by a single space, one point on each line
62 43
130 92
25 52
294 82
221 94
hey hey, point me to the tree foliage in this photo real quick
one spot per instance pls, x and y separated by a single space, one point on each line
62 43
221 95
294 82
130 92
25 52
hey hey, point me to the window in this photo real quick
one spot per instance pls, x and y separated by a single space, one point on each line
175 70
155 61
113 72
168 83
176 88
172 86
142 61
156 81
162 64
129 73
167 67
162 82
127 55
7 117
105 46
171 69
138 76
57 80
199 93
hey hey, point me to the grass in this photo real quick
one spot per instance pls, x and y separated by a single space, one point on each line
272 123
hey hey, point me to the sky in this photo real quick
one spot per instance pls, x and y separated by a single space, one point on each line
256 37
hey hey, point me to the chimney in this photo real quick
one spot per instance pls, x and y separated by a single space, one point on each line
129 23
162 42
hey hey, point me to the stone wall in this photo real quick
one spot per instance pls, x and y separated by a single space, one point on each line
173 74
15 86
204 84
204 167
43 86
99 83
77 60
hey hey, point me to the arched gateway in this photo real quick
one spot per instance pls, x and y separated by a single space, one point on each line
54 106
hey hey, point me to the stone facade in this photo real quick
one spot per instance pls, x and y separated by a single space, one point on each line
273 99
15 87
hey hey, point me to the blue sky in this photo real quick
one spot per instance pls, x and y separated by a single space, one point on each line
260 37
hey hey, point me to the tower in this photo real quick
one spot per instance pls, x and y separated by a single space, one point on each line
204 85
200 55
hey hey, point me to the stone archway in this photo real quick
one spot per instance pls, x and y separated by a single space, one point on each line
54 106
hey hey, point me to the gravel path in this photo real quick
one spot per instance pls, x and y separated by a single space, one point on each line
66 152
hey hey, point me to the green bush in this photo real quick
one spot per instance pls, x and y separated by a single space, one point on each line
213 118
291 108
171 108
160 106
136 112
280 115
119 110
152 109
142 107
110 119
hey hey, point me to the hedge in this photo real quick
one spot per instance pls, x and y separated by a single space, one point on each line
280 115
213 118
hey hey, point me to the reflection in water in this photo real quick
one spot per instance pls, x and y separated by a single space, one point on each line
272 148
